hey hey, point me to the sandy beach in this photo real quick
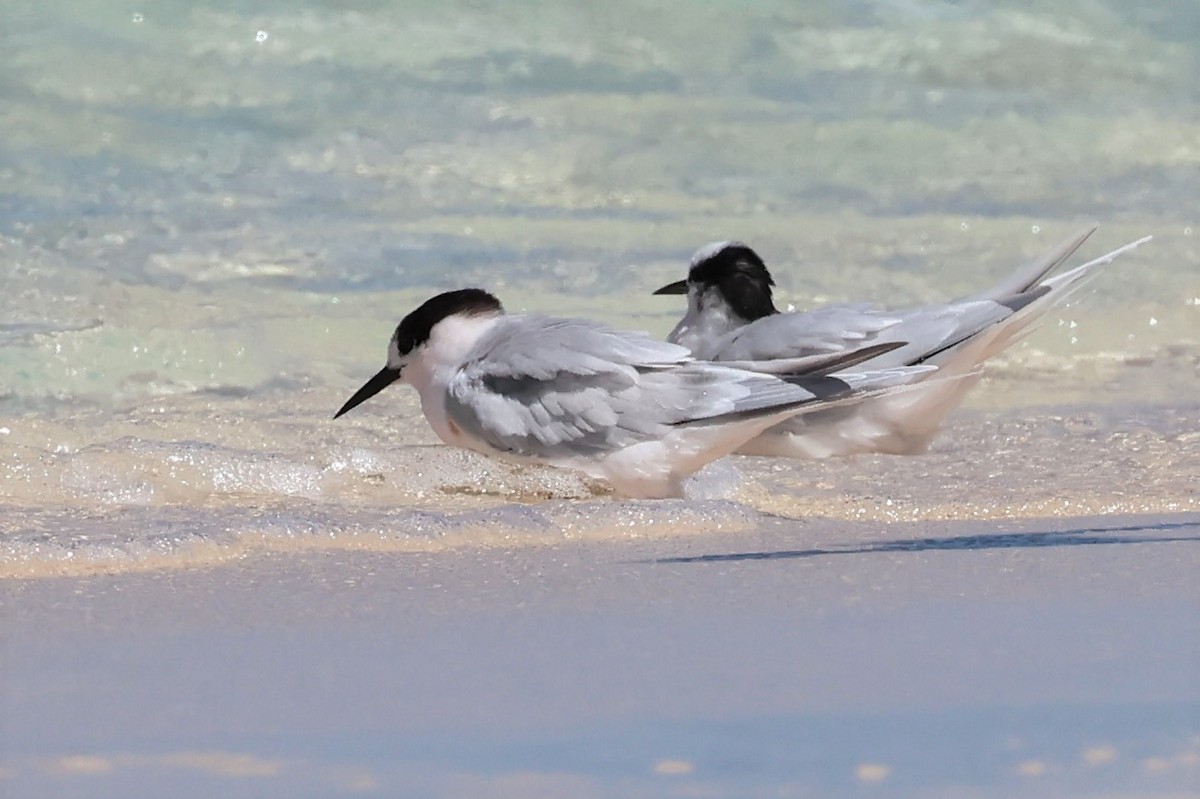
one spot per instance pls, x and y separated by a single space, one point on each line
1035 657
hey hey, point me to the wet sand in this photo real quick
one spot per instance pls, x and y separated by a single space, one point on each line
201 480
1039 657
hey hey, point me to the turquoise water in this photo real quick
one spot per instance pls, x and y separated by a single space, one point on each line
212 216
180 180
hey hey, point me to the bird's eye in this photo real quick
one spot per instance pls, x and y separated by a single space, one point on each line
404 343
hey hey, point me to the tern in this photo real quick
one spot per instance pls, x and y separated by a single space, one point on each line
731 318
639 414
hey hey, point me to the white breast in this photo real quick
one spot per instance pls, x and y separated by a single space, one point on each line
436 362
708 318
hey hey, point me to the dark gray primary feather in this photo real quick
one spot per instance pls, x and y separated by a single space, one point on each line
1032 273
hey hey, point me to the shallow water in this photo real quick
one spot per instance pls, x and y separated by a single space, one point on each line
212 216
90 492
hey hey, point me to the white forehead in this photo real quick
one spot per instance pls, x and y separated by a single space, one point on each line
709 250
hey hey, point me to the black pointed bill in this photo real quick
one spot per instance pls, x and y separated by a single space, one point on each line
378 383
678 287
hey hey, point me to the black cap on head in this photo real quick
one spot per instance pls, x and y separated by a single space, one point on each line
742 278
415 329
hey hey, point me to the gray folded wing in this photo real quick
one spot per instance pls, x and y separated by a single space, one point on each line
777 344
782 343
788 336
557 388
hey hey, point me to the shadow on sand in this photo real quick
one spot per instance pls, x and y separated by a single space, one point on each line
1087 536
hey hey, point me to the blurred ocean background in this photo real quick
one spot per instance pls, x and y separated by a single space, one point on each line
246 197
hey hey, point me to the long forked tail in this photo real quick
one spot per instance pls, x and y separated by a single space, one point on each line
905 422
1073 276
1031 305
1033 272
